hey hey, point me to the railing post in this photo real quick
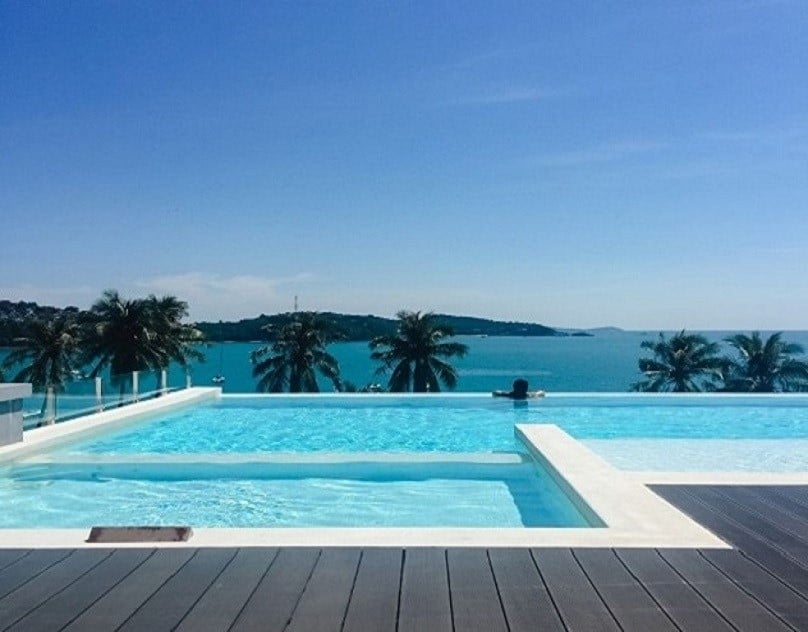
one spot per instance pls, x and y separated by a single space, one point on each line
163 382
134 385
187 379
50 406
99 397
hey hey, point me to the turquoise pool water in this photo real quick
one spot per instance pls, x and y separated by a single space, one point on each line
243 495
218 465
445 424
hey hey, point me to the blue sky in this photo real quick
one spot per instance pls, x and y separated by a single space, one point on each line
643 165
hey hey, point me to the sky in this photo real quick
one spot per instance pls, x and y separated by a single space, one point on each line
578 164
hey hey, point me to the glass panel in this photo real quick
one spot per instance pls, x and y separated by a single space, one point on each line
80 395
33 408
76 398
120 390
176 377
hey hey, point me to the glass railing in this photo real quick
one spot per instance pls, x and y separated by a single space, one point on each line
84 395
75 398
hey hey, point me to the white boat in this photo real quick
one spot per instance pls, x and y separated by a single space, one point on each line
219 377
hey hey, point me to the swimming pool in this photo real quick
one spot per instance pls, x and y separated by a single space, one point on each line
466 424
383 461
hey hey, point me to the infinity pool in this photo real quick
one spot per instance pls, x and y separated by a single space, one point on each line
342 461
446 424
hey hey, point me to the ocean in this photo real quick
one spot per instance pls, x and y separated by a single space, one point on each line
606 362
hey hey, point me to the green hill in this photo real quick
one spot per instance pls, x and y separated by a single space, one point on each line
355 327
363 328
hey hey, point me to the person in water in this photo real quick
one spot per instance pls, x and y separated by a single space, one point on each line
519 391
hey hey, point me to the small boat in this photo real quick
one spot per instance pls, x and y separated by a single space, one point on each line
219 377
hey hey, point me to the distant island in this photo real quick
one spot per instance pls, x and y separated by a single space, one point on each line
14 315
360 328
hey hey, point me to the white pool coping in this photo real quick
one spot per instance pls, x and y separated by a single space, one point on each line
634 516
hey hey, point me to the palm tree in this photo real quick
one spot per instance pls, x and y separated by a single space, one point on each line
765 367
684 364
48 353
121 335
177 341
413 354
297 351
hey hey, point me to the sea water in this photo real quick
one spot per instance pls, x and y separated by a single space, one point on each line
605 362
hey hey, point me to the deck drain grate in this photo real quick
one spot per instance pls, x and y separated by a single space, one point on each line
139 534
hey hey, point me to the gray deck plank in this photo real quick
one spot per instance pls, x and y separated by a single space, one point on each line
425 601
741 610
56 578
525 599
9 556
167 607
475 600
792 607
222 602
764 527
684 605
776 509
795 493
271 605
28 567
324 602
785 567
625 597
579 604
374 602
116 606
785 501
60 610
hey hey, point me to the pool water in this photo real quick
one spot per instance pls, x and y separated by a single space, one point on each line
260 495
239 462
445 424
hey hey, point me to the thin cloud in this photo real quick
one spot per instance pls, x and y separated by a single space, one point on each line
485 58
608 152
507 96
214 296
779 136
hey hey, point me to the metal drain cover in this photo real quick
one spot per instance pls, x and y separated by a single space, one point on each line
139 534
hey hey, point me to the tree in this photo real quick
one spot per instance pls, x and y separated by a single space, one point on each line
684 364
177 341
296 352
120 335
48 353
136 335
765 367
413 354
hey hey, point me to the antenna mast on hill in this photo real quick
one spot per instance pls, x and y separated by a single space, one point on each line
295 303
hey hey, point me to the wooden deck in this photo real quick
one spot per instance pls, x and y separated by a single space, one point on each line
762 585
